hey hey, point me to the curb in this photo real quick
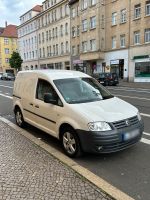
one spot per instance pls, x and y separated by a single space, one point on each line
103 185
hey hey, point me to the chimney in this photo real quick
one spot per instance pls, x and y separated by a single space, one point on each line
5 23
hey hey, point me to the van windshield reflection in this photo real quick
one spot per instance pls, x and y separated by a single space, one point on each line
81 90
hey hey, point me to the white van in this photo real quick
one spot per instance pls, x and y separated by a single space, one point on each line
76 109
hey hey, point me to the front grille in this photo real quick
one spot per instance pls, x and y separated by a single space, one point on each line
126 123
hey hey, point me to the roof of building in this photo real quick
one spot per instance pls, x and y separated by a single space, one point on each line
1 30
72 2
10 31
37 8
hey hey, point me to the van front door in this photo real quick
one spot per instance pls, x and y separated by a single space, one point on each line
45 113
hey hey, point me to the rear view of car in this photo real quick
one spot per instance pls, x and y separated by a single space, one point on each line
107 78
8 76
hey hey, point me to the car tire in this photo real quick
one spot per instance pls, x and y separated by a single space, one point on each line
19 118
70 143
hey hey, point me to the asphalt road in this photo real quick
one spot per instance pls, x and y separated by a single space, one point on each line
128 170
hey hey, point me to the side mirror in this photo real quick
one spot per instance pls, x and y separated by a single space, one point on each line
49 98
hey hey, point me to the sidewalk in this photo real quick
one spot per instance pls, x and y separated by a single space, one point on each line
28 172
145 85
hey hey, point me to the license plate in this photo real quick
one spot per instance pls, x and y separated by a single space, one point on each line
130 135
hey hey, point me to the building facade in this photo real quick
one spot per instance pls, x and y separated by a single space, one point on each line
54 35
91 36
8 44
28 39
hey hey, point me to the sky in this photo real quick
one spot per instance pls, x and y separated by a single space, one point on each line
11 10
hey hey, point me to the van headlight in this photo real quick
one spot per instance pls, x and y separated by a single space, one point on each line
99 126
139 116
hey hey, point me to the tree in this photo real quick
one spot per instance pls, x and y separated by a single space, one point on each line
15 61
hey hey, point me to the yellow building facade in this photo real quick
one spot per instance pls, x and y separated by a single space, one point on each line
8 44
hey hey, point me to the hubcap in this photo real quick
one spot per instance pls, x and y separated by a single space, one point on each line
69 143
19 118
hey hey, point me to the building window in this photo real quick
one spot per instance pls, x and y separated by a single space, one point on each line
73 12
84 4
137 11
78 49
93 2
39 38
6 60
73 50
123 16
113 42
6 51
62 48
6 41
66 28
61 30
67 46
56 34
56 49
42 37
147 35
84 46
122 40
73 32
84 25
137 37
93 45
93 22
50 35
142 69
60 12
147 8
114 18
47 35
78 30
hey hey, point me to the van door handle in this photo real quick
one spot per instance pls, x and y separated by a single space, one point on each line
31 104
37 106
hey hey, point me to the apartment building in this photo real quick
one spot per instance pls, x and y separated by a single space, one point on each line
128 39
54 35
8 44
88 34
28 40
139 51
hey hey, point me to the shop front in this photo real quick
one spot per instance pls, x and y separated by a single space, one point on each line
142 68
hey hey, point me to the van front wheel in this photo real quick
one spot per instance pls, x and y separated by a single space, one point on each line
19 118
70 143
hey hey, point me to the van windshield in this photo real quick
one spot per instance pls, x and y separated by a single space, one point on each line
81 90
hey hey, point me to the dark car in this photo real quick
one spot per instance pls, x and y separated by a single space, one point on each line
8 76
107 78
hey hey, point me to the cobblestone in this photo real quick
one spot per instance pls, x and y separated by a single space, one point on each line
27 172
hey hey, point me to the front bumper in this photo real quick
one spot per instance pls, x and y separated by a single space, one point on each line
110 141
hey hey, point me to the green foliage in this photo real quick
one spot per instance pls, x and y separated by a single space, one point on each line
15 61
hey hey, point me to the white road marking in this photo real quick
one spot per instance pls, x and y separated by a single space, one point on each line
146 141
145 115
6 86
146 133
132 90
7 93
134 97
3 95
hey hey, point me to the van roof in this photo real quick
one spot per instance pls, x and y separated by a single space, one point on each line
56 74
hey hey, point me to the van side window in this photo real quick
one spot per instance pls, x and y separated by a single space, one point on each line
42 88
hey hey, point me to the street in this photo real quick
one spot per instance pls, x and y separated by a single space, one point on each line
128 170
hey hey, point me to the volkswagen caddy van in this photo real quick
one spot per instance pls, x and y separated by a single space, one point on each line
76 109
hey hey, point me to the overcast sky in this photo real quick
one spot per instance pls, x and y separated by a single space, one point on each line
11 10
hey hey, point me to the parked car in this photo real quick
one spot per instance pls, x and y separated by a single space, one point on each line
107 78
1 73
8 76
76 109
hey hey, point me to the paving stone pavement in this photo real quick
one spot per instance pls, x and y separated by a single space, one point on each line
27 172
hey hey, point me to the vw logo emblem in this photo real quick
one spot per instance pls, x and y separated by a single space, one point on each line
127 123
